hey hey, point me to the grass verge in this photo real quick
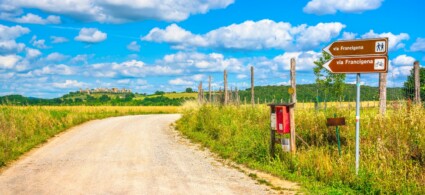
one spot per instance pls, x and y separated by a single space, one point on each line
392 147
24 127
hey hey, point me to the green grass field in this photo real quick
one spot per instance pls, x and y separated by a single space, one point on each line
24 127
170 95
392 147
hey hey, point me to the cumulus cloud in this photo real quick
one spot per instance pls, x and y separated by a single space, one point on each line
8 45
11 47
133 46
403 60
32 53
9 61
348 35
132 68
213 62
321 7
9 33
419 45
56 57
395 41
91 35
30 18
180 81
250 35
40 43
68 84
113 11
60 69
304 60
56 39
399 71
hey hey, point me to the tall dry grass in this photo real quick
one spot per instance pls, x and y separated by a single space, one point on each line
23 127
392 147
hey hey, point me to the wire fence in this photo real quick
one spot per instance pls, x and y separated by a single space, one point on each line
315 96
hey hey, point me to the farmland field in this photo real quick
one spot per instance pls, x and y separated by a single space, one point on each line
392 147
24 127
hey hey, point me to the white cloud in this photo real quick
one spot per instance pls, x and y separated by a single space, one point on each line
419 45
348 35
213 62
56 57
241 76
399 71
9 61
250 35
403 60
8 45
132 68
133 46
395 41
30 18
69 84
91 35
81 58
11 47
321 7
56 39
113 11
180 81
304 60
60 69
9 33
312 36
123 81
141 82
32 53
41 43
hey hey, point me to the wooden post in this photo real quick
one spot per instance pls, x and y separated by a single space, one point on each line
416 68
293 134
293 85
236 96
382 93
226 98
252 86
201 93
209 89
291 109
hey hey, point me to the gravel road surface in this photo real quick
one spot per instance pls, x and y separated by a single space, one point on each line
124 155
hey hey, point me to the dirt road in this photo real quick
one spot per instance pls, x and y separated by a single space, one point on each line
123 155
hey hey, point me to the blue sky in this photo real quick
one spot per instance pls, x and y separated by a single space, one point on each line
51 47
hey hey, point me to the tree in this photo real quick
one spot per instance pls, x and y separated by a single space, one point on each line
327 81
159 93
409 85
189 90
104 98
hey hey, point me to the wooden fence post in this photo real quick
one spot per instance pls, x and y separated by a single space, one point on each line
382 93
291 109
252 86
226 95
209 89
293 84
416 68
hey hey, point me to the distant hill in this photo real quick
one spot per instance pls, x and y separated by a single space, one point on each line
305 93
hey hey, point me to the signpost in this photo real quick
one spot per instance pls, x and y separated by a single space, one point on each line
367 64
358 56
358 47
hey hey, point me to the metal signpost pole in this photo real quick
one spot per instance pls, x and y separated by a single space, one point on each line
358 124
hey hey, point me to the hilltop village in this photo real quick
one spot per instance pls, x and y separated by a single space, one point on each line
105 90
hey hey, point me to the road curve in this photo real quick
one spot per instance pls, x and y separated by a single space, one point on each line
123 155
